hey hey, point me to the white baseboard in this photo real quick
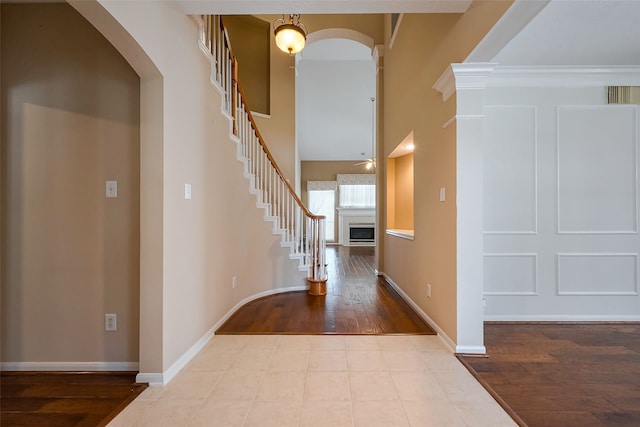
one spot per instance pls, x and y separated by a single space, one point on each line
471 349
154 380
560 318
69 366
161 379
443 336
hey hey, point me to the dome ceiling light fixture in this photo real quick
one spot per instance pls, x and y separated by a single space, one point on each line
291 34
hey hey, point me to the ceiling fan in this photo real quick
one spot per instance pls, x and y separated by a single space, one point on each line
370 163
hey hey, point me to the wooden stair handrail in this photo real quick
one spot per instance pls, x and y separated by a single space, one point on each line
272 160
234 73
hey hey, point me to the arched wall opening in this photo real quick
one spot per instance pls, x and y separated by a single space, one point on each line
335 108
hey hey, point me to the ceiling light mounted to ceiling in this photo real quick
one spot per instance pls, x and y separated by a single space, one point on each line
291 34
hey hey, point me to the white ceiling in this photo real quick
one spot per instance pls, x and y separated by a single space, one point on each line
578 32
255 7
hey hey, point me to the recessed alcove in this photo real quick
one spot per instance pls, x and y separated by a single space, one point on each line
400 190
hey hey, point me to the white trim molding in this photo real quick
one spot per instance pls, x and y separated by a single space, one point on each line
451 345
564 76
472 75
560 318
70 366
467 76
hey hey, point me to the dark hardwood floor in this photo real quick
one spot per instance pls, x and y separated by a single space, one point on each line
52 399
357 302
563 375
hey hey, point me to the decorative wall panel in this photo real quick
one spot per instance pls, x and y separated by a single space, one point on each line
510 171
597 170
510 274
597 274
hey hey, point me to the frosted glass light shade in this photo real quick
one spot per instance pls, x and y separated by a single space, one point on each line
290 38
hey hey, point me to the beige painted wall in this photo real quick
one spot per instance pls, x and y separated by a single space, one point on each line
251 43
70 114
217 234
425 45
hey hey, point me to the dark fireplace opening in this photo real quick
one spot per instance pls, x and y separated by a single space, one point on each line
361 233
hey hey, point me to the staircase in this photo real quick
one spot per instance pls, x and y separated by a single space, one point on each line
302 232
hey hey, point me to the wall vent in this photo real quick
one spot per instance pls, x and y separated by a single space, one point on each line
623 95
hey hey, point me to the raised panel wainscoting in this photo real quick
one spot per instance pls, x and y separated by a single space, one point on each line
560 204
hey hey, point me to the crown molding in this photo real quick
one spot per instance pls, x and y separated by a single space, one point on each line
473 75
466 76
564 76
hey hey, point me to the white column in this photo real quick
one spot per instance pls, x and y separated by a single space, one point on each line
468 81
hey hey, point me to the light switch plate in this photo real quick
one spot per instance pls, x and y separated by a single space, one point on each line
442 194
111 189
187 191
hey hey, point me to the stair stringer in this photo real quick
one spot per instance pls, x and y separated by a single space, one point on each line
285 241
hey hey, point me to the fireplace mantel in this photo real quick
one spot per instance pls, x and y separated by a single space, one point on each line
347 216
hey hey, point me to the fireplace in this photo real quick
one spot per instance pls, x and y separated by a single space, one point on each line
356 226
361 233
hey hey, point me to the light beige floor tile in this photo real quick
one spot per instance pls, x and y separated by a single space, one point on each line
395 343
372 386
189 385
438 361
284 386
404 361
262 342
324 414
366 360
329 360
274 414
225 343
462 387
252 360
237 384
151 393
295 342
169 412
328 342
218 413
289 361
428 343
478 414
379 414
361 342
281 381
432 413
212 361
417 386
322 386
132 413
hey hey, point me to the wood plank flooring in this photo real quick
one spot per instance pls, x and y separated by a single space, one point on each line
64 399
563 374
357 302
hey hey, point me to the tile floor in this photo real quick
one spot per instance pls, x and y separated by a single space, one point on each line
320 380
